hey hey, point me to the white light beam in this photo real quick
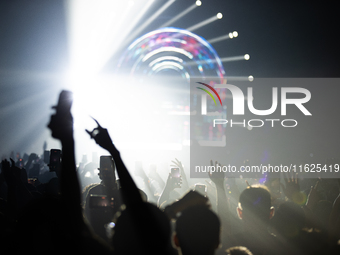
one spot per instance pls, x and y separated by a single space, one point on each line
226 59
151 19
203 23
223 37
180 15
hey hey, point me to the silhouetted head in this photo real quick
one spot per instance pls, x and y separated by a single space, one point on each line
197 231
255 205
146 231
107 171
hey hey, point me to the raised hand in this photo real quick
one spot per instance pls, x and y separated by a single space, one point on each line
101 136
61 126
61 123
292 189
173 182
130 192
216 177
177 163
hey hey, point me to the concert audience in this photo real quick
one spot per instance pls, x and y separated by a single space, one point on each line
45 212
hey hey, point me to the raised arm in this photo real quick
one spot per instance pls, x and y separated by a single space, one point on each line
170 185
221 198
61 125
130 192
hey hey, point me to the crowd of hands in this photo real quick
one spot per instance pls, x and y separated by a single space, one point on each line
56 216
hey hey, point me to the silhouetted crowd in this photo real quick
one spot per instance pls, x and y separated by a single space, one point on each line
49 206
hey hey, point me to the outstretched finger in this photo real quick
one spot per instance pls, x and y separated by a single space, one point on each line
99 126
89 132
175 163
178 162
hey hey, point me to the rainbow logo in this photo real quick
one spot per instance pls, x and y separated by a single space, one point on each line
209 93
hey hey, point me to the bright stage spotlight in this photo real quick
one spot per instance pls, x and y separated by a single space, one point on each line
205 22
96 30
240 78
198 3
225 59
151 19
223 37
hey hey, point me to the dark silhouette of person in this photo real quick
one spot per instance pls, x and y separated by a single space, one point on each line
197 231
255 211
144 228
103 200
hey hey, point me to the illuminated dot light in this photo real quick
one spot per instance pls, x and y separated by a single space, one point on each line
235 34
231 35
198 3
250 78
219 15
246 57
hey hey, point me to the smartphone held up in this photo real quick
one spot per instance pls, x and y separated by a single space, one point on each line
176 176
